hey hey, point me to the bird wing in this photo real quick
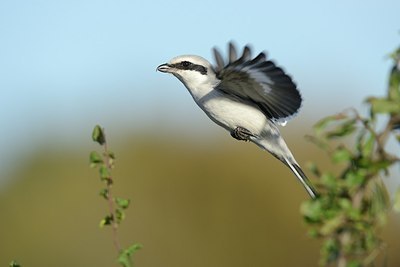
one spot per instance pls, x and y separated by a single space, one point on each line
259 81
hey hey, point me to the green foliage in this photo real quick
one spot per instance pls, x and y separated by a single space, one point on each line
14 264
379 105
353 202
394 79
104 162
107 220
122 203
98 135
125 256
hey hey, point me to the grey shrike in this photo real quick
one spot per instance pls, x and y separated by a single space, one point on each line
246 96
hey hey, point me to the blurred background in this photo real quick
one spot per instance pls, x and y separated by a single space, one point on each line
199 197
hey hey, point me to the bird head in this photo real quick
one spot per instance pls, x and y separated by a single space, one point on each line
193 71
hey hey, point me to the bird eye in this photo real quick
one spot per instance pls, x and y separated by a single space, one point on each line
185 64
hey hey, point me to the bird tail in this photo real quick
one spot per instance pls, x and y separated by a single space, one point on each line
278 148
302 178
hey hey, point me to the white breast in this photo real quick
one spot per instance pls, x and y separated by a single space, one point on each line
231 114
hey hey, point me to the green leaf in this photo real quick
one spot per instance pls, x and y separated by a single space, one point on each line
120 214
111 155
348 210
98 135
313 232
104 193
330 251
125 256
343 129
329 181
366 147
104 172
331 225
108 220
321 125
394 78
132 249
394 84
341 154
122 203
382 105
354 179
396 205
95 159
395 55
14 264
125 260
377 166
312 210
345 204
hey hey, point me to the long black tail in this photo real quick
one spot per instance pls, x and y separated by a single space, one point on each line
302 178
274 144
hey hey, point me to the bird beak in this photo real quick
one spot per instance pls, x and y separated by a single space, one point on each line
166 68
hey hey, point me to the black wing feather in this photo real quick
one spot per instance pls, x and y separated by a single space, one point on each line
232 53
260 82
219 60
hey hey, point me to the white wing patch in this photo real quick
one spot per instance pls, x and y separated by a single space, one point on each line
259 81
262 79
282 123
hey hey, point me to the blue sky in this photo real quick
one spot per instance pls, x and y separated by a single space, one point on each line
66 65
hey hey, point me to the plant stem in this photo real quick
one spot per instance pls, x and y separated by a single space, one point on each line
110 199
344 240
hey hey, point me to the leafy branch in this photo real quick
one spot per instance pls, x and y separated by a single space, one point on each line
105 162
354 203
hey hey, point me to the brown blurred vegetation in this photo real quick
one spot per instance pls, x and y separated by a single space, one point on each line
194 203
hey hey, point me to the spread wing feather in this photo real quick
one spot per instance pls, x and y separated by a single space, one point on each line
258 81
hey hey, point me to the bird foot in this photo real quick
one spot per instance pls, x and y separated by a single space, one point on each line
241 134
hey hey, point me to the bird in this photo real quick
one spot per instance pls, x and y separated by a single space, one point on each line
248 96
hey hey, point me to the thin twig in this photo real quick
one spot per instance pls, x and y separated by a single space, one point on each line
110 199
372 256
344 239
381 138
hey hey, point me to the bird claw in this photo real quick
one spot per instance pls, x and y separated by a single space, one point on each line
241 134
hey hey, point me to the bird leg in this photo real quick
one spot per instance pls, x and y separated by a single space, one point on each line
241 134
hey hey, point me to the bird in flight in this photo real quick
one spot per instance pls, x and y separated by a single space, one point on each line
247 96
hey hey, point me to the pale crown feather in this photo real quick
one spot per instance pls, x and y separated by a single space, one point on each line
197 83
